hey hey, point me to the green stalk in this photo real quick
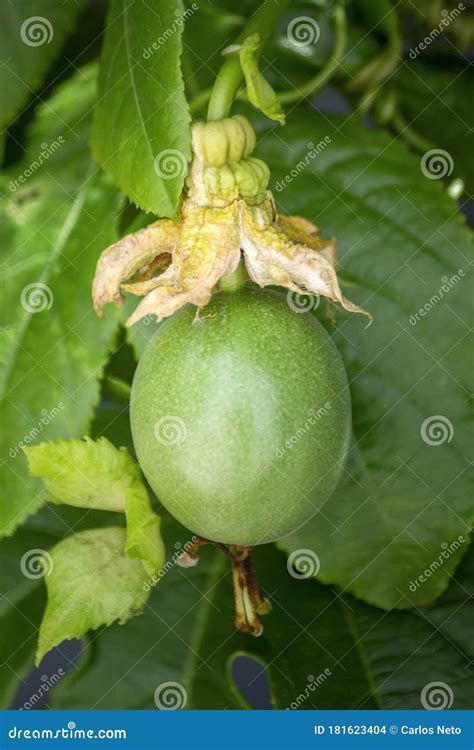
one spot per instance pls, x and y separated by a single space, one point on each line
411 136
230 75
324 75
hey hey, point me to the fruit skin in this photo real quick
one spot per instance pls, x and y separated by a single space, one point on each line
215 400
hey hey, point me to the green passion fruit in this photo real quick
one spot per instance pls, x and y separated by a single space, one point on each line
241 418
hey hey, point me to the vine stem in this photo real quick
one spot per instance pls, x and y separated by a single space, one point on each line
230 75
285 97
414 138
324 75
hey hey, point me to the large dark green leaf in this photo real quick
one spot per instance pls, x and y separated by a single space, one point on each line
141 124
31 36
437 103
404 500
58 214
320 650
23 595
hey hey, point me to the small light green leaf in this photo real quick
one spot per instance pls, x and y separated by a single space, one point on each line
259 91
90 583
84 473
141 126
144 540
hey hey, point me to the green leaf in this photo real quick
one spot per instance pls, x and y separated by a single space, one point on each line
144 540
84 473
23 595
31 38
436 102
320 650
141 123
259 91
96 475
21 604
58 214
90 583
404 498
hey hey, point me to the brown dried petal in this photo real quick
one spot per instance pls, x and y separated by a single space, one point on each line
121 260
271 257
209 249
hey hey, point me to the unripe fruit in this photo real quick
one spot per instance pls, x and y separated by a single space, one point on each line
241 419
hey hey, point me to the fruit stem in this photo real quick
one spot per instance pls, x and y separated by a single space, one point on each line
249 602
246 618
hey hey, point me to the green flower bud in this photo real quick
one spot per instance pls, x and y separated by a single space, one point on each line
222 141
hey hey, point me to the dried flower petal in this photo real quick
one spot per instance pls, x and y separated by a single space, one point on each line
121 260
271 257
209 249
